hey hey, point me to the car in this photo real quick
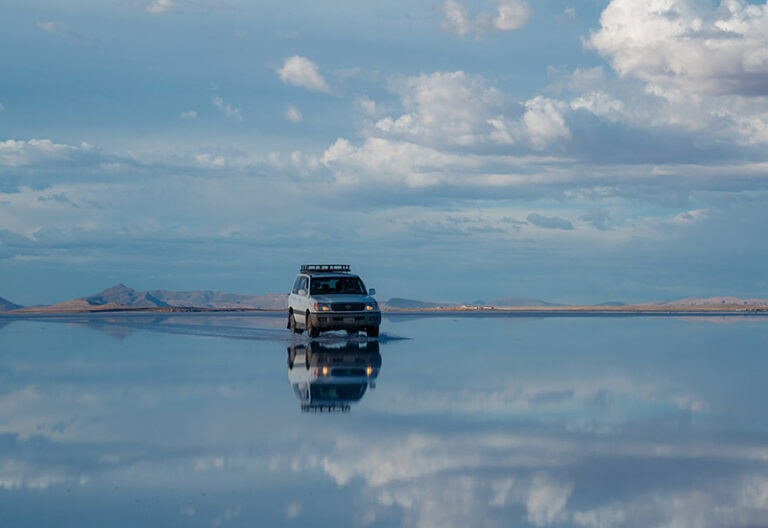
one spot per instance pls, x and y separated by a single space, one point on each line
329 377
330 297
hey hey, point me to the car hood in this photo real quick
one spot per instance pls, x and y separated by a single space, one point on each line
343 298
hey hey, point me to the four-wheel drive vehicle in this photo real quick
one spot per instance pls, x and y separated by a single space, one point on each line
329 297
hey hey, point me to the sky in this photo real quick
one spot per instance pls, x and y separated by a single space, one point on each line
454 150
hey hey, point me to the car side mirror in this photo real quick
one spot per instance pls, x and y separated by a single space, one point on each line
302 292
371 291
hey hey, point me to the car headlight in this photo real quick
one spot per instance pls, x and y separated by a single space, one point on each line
322 307
371 305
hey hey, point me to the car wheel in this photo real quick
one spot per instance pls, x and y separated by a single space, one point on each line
292 324
352 332
312 330
372 331
291 357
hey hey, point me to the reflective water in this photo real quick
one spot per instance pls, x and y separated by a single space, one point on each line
197 420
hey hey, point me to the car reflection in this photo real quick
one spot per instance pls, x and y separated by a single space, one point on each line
329 377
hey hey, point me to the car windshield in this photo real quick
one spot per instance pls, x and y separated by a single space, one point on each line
336 286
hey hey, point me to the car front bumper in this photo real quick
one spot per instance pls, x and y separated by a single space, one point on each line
345 320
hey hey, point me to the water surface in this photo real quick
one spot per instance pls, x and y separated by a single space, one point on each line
203 420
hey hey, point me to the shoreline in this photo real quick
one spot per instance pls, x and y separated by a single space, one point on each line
637 310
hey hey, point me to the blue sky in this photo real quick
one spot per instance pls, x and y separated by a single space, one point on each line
449 150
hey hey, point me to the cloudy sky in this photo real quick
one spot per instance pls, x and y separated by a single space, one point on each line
457 150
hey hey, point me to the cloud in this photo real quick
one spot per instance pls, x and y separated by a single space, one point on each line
569 13
227 109
293 115
598 218
510 15
549 222
546 500
159 6
301 71
189 114
544 121
682 44
56 28
17 153
457 109
451 108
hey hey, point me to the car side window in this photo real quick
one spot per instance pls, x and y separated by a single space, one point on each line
304 284
296 285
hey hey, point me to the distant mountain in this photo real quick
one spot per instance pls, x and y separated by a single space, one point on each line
6 305
611 303
397 303
702 301
214 299
519 301
122 295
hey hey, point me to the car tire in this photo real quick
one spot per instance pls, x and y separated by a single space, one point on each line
312 330
372 331
292 324
352 332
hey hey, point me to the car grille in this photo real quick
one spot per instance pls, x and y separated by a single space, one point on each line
340 371
347 307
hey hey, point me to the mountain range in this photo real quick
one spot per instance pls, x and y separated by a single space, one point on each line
121 296
397 303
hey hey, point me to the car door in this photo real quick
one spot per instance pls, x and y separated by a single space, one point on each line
293 297
302 302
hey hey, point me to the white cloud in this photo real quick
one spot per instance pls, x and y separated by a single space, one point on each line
189 114
544 122
367 104
383 160
456 18
292 114
687 45
227 109
159 6
546 500
569 13
301 71
16 153
211 160
510 15
444 107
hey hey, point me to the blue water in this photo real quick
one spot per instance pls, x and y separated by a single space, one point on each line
192 420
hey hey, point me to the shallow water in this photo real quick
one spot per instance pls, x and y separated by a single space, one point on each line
192 420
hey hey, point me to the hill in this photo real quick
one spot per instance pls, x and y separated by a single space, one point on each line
6 305
712 301
121 296
397 303
519 301
213 299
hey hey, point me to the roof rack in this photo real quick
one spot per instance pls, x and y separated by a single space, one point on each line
325 268
325 408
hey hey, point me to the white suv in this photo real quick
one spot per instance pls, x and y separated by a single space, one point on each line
329 297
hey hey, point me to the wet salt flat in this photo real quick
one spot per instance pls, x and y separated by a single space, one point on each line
220 420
